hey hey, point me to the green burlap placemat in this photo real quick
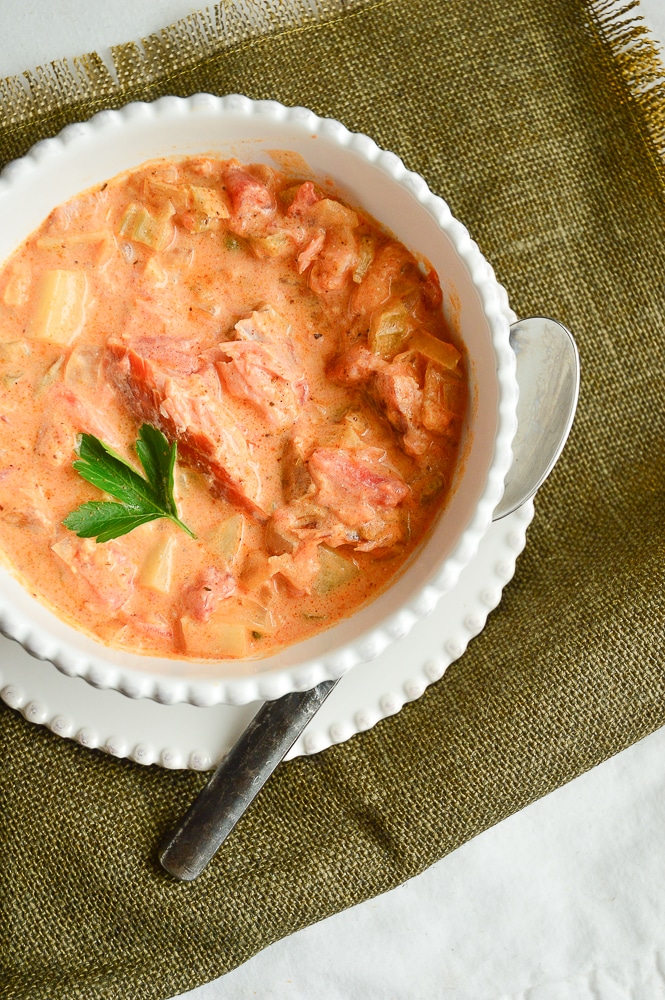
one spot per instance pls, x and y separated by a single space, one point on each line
536 122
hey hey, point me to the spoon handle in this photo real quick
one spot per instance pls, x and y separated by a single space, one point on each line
238 779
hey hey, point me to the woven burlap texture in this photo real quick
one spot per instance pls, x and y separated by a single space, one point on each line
527 118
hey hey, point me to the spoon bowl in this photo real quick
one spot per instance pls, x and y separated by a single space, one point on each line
548 376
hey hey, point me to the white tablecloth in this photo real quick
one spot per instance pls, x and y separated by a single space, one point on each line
564 901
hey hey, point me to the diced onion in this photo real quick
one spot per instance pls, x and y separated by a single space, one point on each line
225 538
388 330
437 350
365 258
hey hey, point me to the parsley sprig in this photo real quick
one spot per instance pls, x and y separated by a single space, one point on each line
139 500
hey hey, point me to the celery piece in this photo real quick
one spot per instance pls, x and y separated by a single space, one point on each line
342 434
60 309
222 639
336 570
209 203
139 225
365 258
50 375
454 394
428 485
225 538
350 434
276 245
157 570
388 330
233 243
434 349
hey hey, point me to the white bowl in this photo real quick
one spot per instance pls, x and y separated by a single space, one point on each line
114 141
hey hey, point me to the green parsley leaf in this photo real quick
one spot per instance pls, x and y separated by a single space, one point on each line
139 500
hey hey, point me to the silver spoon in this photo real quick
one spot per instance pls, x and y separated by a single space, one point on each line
548 376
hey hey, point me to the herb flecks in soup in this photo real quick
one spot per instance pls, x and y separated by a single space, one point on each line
296 354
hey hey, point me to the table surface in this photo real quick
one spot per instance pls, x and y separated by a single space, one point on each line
566 899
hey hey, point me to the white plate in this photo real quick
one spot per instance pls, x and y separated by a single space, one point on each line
181 735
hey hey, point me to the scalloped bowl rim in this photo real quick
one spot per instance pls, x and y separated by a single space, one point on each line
61 643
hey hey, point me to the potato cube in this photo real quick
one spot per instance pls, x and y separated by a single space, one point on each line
215 638
157 569
60 309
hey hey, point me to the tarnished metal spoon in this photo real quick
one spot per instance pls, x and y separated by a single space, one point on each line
548 377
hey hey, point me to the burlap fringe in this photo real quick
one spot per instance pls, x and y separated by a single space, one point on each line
180 46
639 60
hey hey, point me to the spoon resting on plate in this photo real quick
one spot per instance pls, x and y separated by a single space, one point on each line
548 376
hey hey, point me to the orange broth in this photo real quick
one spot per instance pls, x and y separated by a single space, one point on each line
293 349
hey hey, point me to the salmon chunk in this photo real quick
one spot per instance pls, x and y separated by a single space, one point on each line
264 325
336 262
416 412
354 500
252 202
395 387
311 251
24 507
306 195
260 367
186 410
353 487
105 572
262 375
201 598
306 520
300 568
